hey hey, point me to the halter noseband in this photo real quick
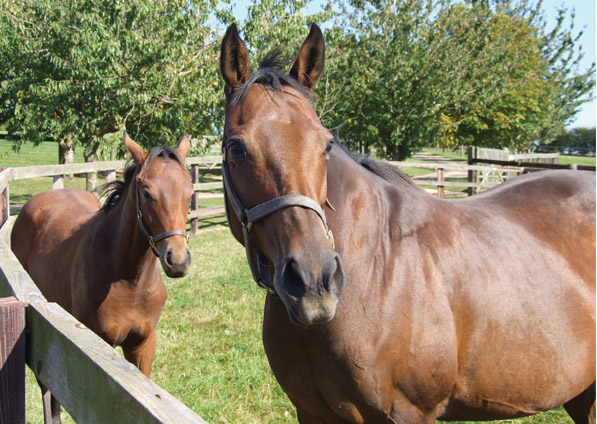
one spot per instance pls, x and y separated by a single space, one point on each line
153 240
260 265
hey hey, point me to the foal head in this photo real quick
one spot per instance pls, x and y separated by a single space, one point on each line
162 192
275 153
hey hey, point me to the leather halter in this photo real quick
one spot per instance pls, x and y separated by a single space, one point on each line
260 265
151 239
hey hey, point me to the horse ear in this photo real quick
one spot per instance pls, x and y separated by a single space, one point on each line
234 59
184 146
309 64
135 150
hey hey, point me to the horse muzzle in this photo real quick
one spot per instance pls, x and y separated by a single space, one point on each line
310 286
175 257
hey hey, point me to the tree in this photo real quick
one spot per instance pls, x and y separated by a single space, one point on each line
581 138
78 70
403 75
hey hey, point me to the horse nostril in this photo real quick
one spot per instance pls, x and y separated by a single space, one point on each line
168 258
293 276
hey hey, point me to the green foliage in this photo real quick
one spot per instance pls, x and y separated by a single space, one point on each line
84 69
404 75
583 138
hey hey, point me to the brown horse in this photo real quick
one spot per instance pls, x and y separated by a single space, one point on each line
425 309
100 263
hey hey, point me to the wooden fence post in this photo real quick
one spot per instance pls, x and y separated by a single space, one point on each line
472 175
195 200
440 180
57 182
4 204
12 361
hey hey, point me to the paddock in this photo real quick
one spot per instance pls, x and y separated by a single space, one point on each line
209 340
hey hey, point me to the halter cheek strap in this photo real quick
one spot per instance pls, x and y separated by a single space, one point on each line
151 239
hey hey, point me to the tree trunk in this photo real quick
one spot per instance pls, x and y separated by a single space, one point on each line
90 154
66 151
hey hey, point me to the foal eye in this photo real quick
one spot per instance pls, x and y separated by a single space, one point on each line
146 195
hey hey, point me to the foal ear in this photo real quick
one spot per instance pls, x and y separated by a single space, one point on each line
309 64
135 150
234 59
184 145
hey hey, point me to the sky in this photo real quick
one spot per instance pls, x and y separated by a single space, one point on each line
585 16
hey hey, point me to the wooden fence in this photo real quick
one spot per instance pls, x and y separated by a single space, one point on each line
202 190
441 173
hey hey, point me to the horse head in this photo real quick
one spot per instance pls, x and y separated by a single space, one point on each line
163 189
274 167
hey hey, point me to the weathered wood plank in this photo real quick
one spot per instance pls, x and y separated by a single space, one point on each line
89 378
73 168
423 182
6 176
14 281
12 361
207 212
207 186
204 160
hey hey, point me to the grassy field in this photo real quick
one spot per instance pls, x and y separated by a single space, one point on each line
209 351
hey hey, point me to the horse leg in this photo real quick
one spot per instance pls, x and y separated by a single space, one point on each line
141 354
51 406
582 408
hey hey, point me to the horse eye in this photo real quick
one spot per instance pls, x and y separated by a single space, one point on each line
329 146
146 195
236 149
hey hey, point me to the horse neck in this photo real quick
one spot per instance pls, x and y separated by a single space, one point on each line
371 212
132 257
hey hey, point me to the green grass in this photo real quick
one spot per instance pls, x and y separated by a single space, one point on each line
579 160
44 154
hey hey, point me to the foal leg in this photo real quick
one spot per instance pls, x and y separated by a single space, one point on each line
141 353
51 406
582 408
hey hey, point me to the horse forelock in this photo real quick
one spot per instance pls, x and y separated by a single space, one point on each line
166 153
271 75
115 190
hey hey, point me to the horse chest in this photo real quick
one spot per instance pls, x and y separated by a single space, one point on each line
129 310
365 375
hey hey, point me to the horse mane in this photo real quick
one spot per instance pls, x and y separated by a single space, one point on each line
271 75
383 170
114 190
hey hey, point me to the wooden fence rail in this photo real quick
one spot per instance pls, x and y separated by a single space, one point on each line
202 190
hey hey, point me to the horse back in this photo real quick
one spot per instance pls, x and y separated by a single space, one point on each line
556 208
46 237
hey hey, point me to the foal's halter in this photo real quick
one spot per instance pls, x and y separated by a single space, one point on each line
260 265
151 239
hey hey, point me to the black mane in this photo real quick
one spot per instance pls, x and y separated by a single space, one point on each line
270 74
116 189
383 170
